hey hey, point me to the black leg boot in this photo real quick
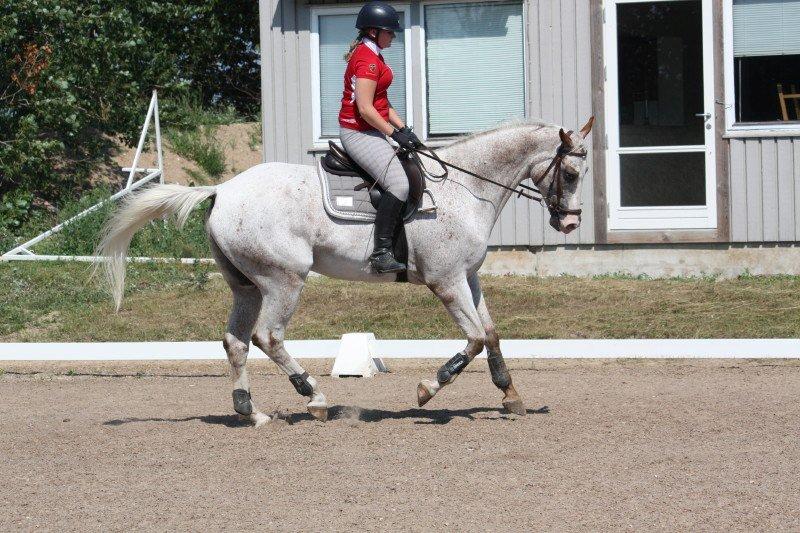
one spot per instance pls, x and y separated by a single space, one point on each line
389 211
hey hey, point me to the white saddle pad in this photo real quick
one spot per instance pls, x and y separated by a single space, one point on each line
341 201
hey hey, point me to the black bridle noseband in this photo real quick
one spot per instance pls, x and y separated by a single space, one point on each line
553 199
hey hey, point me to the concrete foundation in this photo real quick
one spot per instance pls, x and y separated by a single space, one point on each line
657 261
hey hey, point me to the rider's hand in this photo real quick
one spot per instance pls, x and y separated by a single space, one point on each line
403 139
413 136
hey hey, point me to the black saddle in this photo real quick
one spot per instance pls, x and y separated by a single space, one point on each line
336 161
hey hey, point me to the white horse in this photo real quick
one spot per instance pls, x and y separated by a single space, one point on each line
267 229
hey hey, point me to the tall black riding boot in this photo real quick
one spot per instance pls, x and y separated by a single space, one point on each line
389 211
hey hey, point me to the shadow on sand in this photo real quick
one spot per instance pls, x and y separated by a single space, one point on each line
423 416
347 412
231 421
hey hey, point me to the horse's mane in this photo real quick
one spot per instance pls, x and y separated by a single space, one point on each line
508 124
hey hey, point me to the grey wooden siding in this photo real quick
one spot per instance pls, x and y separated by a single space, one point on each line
559 90
764 189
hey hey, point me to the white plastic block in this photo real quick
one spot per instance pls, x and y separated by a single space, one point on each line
356 357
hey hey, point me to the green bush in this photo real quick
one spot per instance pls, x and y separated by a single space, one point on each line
14 209
77 74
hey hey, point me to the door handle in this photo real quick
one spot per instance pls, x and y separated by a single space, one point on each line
705 116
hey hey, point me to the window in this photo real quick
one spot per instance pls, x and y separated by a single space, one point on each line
765 59
332 31
475 66
766 50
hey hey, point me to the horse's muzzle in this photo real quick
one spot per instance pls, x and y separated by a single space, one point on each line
566 224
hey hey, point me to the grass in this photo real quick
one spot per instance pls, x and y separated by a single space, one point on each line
192 134
254 135
156 239
57 302
201 146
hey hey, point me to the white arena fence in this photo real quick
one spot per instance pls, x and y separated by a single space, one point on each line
416 349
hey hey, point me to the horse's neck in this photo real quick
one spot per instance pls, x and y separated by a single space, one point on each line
505 156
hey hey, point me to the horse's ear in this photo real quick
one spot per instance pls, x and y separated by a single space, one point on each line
565 140
587 127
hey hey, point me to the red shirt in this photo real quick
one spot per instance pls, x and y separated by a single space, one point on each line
366 62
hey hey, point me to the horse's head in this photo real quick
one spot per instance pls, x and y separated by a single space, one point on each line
561 183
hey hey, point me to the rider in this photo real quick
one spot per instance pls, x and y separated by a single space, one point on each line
367 117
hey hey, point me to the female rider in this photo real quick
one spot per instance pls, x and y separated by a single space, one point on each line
367 117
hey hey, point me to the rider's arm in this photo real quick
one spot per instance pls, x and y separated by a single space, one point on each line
395 119
365 95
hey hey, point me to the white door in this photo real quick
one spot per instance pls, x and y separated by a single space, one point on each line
659 96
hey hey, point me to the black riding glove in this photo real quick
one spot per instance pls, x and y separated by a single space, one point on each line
412 136
403 139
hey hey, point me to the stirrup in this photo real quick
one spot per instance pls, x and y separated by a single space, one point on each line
431 209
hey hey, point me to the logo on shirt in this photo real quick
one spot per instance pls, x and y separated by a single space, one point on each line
373 67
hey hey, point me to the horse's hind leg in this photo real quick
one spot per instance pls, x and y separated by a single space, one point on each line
457 298
281 293
497 365
246 304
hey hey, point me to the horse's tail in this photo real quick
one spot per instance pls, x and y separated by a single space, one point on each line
136 211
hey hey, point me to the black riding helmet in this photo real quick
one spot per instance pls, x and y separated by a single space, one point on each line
378 15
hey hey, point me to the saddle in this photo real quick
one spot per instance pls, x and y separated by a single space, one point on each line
336 163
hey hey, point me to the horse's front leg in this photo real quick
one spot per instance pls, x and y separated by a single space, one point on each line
497 365
457 298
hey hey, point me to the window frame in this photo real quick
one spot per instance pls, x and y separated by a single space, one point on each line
735 129
318 141
424 59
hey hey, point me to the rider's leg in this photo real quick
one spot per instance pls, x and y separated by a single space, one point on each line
457 298
387 218
497 365
281 292
373 153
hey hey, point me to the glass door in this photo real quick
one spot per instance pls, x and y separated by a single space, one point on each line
660 114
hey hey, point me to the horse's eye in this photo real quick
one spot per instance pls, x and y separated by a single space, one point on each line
570 176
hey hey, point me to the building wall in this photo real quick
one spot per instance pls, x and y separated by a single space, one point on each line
559 90
764 173
764 189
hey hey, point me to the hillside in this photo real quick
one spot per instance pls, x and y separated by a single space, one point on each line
239 143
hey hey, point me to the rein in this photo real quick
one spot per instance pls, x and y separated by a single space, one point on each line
552 202
520 192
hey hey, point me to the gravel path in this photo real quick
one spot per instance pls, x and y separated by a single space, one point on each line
606 445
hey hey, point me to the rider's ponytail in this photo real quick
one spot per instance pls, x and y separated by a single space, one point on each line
356 42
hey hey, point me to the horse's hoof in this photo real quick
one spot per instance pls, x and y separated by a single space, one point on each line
514 406
424 393
319 412
241 402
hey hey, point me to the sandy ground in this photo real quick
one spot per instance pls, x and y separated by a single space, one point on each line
606 445
233 138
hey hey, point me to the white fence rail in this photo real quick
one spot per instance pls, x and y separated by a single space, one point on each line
416 349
